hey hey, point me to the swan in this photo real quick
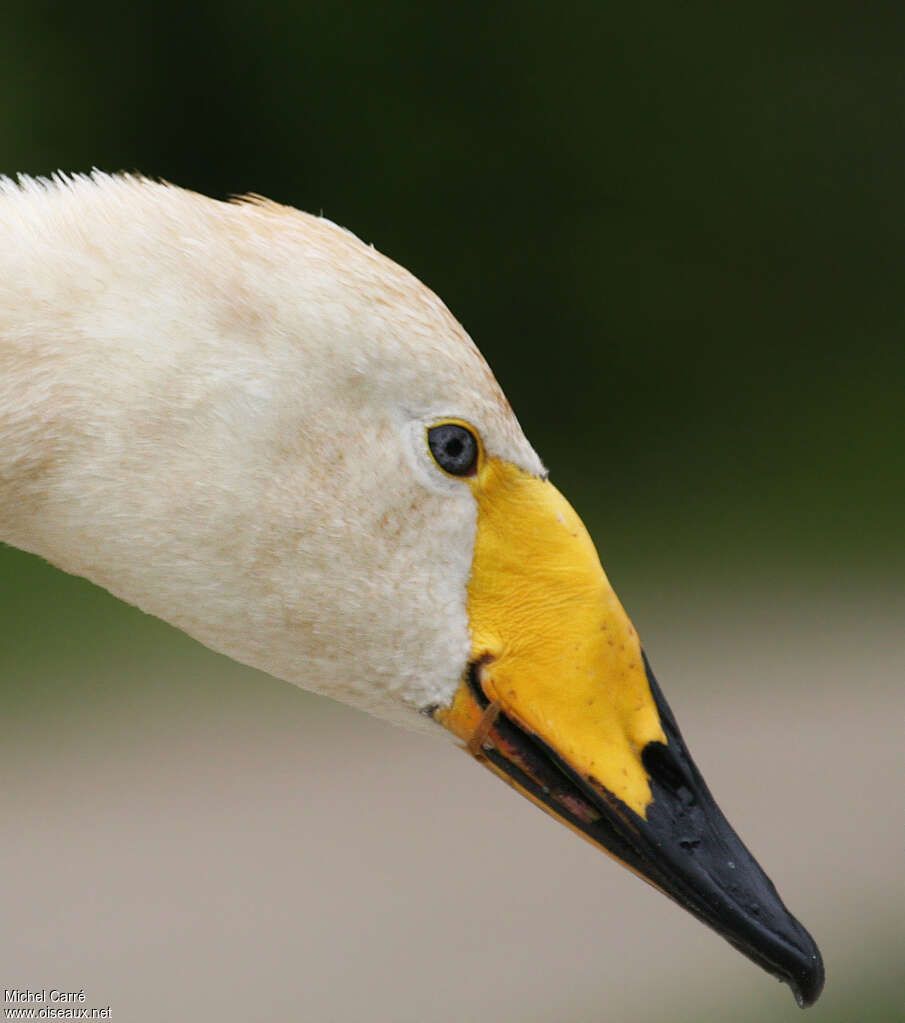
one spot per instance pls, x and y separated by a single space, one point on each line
245 421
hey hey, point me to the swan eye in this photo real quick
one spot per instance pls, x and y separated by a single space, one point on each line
454 447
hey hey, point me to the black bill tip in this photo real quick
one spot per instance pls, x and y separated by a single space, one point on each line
712 874
799 965
683 845
808 983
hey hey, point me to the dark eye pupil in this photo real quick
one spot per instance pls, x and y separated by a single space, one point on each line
454 448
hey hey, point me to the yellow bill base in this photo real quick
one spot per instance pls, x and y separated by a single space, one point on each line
555 647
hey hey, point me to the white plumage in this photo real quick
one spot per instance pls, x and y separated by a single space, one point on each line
216 411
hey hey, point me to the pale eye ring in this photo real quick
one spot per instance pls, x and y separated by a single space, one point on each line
454 447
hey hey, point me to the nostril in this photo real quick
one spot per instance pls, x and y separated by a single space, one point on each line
665 768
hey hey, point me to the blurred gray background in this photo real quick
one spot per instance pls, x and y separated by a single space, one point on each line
676 232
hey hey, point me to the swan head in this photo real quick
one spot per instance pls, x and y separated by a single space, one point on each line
312 469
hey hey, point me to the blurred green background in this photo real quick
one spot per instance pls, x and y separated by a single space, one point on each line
676 232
